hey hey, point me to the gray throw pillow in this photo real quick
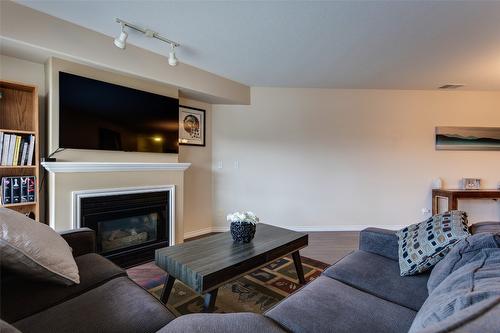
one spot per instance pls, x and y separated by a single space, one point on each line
466 295
35 250
461 254
423 244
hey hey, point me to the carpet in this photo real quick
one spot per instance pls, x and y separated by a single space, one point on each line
255 292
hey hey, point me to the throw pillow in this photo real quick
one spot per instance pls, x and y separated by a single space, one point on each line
461 254
423 244
466 295
35 250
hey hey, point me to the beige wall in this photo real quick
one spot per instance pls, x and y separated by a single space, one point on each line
198 178
318 159
197 195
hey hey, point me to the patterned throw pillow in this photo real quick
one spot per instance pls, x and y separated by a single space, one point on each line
423 244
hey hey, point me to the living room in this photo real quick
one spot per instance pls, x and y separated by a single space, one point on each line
288 156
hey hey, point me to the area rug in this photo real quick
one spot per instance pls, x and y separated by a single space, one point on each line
255 292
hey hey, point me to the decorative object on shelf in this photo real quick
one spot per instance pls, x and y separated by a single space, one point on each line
467 138
437 183
191 126
243 226
470 183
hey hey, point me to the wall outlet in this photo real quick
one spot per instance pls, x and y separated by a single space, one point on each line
236 164
220 165
426 211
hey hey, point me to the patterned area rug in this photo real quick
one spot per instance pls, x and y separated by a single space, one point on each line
255 292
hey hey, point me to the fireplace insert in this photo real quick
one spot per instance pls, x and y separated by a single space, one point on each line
129 227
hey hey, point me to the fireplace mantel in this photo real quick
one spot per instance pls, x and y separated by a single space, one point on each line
69 167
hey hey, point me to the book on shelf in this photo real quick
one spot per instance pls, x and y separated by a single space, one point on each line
16 150
12 145
15 158
31 149
18 190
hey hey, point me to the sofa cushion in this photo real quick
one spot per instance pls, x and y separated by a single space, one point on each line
7 328
116 306
423 244
470 320
490 226
327 305
222 323
35 249
466 292
94 271
380 277
379 241
464 252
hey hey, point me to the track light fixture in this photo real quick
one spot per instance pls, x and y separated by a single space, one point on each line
122 39
172 59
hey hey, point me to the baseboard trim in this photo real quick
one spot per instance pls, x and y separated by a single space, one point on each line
343 227
300 228
195 233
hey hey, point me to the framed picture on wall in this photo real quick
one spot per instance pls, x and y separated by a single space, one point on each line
191 126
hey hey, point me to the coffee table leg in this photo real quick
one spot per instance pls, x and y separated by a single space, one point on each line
209 300
298 267
167 288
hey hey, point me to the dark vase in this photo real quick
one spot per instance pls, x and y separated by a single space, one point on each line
242 232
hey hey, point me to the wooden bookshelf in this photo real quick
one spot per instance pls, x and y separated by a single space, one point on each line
19 115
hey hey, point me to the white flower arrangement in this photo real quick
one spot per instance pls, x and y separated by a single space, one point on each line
240 217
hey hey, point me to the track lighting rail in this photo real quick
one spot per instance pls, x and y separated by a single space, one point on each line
147 32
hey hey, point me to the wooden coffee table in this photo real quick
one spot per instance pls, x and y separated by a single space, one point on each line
208 263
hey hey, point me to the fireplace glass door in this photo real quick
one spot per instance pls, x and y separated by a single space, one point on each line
134 229
129 227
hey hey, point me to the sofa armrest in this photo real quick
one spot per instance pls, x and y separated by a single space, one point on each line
222 323
82 240
379 241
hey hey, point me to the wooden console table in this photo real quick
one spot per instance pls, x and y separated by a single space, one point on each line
454 195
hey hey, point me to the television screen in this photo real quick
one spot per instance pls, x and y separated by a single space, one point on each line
100 115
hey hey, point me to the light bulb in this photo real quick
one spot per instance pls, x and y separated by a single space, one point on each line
172 59
120 42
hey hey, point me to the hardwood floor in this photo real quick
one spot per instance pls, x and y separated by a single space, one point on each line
328 246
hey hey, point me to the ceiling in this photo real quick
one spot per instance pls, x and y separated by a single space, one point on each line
350 44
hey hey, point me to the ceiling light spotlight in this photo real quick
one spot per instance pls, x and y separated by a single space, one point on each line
120 42
172 59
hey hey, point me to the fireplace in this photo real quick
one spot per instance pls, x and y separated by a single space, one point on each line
129 224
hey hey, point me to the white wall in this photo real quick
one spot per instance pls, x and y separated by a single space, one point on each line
342 159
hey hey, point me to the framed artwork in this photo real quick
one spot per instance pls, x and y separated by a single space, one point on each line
467 138
191 126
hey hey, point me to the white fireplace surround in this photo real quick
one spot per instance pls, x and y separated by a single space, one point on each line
77 196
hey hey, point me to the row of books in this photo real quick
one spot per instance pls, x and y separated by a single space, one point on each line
18 190
16 149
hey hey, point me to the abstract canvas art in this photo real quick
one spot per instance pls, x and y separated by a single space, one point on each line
467 138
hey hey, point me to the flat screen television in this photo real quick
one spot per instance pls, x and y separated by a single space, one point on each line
104 116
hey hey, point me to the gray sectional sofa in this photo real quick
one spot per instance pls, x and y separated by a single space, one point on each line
106 300
363 292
